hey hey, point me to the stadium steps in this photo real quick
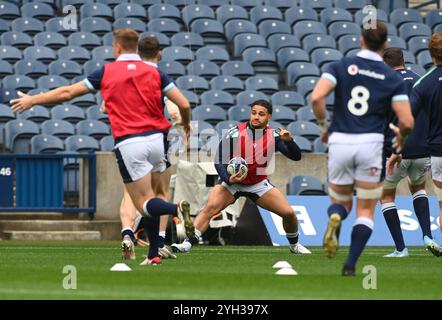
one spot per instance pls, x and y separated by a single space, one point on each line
37 216
51 235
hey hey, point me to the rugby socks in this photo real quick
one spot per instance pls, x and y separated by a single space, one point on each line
152 230
339 209
389 211
156 207
128 232
362 229
195 240
292 238
422 210
161 238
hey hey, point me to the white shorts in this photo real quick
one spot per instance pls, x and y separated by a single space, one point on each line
253 192
355 157
414 169
436 168
138 156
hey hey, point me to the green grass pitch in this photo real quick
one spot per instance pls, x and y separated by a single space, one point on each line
34 270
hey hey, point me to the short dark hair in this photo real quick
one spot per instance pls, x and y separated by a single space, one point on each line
127 39
375 38
263 103
435 46
148 47
394 57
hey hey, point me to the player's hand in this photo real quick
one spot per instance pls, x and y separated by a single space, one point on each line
395 159
21 104
237 177
398 141
284 134
324 137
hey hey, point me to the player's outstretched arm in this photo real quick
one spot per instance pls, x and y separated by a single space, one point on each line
54 96
176 96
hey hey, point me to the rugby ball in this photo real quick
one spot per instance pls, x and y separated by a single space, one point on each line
236 165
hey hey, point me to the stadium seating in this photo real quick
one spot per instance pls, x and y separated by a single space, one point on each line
434 18
18 40
191 40
262 13
6 115
172 68
297 70
203 68
209 113
18 82
70 113
303 143
305 129
18 134
229 12
58 128
239 113
36 114
96 10
229 84
163 10
81 143
223 126
92 128
218 97
5 68
247 40
316 41
44 143
278 41
107 144
10 54
52 40
305 185
213 53
239 69
288 98
94 113
283 115
247 97
263 84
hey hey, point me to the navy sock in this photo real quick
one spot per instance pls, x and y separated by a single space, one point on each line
156 207
292 237
161 241
362 230
394 224
422 210
152 229
339 209
128 232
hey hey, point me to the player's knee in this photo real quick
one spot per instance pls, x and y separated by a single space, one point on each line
438 192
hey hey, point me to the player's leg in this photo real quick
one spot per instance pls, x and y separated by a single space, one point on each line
220 197
436 175
274 201
127 217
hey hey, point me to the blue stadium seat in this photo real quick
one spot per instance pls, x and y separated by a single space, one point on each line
191 96
111 3
261 13
419 70
230 84
368 15
331 15
108 38
40 11
190 40
283 115
86 40
94 113
296 14
434 18
409 57
65 68
305 114
5 68
417 44
305 85
18 134
8 94
51 82
239 113
297 70
350 53
339 29
210 113
348 42
396 42
229 12
282 5
46 144
324 55
37 53
58 128
9 10
180 54
83 101
404 15
203 68
409 30
18 82
318 5
247 40
237 26
266 85
316 41
38 114
304 129
162 38
424 59
107 144
18 40
214 4
58 25
103 53
172 68
391 29
304 28
130 10
99 26
132 23
271 27
52 40
305 185
437 28
5 26
213 53
67 112
92 66
350 5
218 98
290 99
92 128
303 143
29 26
75 3
223 126
96 10
145 3
329 100
203 129
163 25
193 83
10 54
74 53
163 10
275 125
239 69
180 4
6 115
193 12
319 147
247 97
82 144
259 57
291 54
211 30
278 41
247 4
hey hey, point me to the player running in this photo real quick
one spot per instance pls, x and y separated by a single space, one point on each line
414 164
365 90
133 92
255 142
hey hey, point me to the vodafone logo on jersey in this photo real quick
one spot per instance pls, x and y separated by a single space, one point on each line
131 66
352 69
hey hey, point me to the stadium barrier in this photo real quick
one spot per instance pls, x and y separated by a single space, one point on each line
48 183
